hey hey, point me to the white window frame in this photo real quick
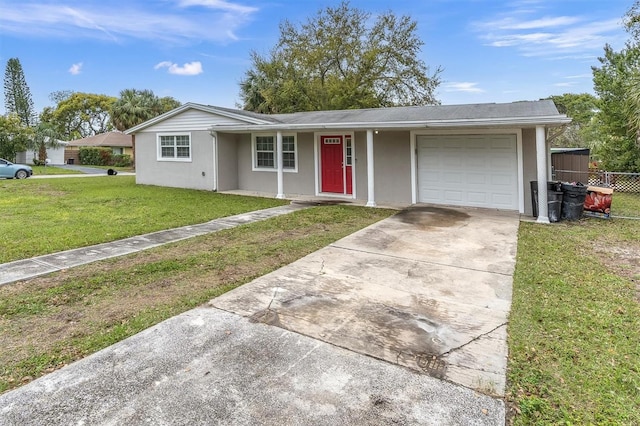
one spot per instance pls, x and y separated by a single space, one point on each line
254 153
175 158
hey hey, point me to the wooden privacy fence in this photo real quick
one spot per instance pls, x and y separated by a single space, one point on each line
619 181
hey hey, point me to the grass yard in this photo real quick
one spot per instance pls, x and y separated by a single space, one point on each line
53 320
574 328
625 204
53 170
119 169
41 216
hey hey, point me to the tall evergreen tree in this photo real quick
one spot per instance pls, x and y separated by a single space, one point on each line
17 96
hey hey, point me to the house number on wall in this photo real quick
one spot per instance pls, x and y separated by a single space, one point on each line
332 141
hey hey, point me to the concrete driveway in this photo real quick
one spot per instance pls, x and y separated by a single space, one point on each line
429 289
403 322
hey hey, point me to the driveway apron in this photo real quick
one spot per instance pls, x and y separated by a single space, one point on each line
429 289
381 327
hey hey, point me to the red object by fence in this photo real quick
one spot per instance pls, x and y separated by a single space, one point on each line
598 200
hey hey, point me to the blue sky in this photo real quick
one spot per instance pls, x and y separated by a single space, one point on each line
198 50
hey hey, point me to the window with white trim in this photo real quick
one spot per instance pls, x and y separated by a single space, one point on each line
174 147
288 152
264 153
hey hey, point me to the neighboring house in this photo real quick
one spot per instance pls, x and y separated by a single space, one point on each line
54 155
481 155
118 143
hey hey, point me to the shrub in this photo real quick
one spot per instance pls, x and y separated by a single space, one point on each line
95 156
121 160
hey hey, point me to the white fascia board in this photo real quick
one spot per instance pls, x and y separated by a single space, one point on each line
554 120
189 105
159 118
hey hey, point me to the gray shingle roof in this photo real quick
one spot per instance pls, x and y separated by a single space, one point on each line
421 113
525 113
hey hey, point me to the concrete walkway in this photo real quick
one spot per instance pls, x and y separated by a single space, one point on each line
29 268
403 322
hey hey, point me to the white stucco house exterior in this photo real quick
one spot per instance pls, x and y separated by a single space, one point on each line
54 155
478 155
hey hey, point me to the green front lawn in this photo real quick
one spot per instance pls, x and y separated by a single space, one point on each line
41 216
574 328
50 321
119 169
53 170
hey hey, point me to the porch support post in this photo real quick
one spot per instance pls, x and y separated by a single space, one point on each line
542 169
371 199
280 194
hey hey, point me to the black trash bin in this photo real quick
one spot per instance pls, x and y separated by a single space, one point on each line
553 187
554 204
71 160
573 197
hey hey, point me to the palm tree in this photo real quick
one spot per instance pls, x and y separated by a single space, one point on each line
137 106
44 136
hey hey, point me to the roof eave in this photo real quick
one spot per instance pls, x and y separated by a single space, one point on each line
555 120
189 105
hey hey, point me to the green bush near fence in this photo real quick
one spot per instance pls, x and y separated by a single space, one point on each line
103 157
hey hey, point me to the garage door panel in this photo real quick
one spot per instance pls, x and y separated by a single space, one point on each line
501 143
431 196
432 177
453 197
501 180
501 199
476 170
452 179
497 162
477 197
477 178
452 161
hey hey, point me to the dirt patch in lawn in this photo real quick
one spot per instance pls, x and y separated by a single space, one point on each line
623 259
102 295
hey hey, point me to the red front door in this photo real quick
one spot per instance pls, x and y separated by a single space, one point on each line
332 163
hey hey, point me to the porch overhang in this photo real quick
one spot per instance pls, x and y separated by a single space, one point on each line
548 121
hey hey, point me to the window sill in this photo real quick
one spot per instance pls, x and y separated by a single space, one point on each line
175 160
264 169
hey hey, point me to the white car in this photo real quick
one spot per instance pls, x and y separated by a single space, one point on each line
8 170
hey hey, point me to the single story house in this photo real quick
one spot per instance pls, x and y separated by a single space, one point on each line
54 155
119 143
480 155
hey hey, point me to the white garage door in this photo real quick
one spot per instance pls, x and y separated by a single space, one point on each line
468 170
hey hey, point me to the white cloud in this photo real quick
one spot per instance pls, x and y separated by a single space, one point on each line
190 68
550 36
75 68
510 23
579 76
182 21
218 4
464 86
